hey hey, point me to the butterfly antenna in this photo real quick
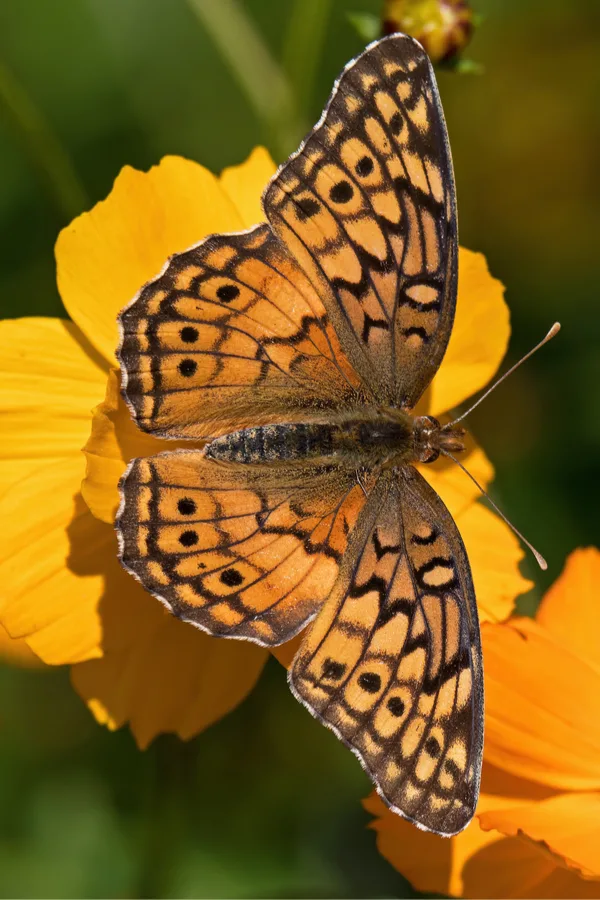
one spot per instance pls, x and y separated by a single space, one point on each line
552 333
538 556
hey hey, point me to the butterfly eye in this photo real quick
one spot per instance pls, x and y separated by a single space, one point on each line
426 431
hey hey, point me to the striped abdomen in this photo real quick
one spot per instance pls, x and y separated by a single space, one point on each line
295 441
269 443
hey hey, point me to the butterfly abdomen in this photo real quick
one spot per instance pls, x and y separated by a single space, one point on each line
273 443
296 441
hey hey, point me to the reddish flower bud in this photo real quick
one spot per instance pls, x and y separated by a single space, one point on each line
443 27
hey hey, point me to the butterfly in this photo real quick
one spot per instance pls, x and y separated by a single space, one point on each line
292 354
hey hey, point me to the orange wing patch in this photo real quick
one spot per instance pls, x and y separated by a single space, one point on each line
393 663
232 333
239 551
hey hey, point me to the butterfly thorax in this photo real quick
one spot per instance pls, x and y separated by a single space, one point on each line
383 437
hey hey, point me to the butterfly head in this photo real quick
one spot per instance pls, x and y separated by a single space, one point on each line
430 438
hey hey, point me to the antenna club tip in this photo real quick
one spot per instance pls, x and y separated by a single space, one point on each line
541 561
554 330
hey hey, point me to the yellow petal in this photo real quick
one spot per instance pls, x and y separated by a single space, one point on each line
245 185
568 825
479 336
173 678
106 255
17 652
542 707
115 439
494 554
49 382
63 586
51 586
570 608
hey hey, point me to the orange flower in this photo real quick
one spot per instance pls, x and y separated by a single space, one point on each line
64 592
537 832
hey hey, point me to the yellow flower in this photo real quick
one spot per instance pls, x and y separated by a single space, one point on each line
537 832
64 592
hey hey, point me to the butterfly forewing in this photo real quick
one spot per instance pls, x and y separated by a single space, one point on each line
231 334
367 205
393 662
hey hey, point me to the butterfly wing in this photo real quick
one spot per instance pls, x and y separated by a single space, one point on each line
393 662
367 206
231 334
239 551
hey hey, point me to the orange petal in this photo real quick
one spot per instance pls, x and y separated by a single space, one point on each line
542 707
17 652
115 439
172 678
245 185
106 255
49 382
479 336
475 863
285 653
568 825
429 862
570 608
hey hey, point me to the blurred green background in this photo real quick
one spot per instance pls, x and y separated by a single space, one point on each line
267 803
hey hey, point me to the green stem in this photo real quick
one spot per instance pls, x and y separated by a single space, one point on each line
258 74
302 47
42 146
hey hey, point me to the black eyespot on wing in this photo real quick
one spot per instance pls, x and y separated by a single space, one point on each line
341 192
228 292
396 123
231 577
396 706
187 367
369 682
189 335
188 538
333 669
433 747
307 207
186 506
364 166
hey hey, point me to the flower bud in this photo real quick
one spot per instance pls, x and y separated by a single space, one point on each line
443 27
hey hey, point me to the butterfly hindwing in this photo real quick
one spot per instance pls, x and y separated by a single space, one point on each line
239 551
367 206
231 333
393 662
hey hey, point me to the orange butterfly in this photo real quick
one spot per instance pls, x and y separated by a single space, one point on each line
296 350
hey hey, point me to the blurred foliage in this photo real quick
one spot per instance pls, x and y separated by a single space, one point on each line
267 803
